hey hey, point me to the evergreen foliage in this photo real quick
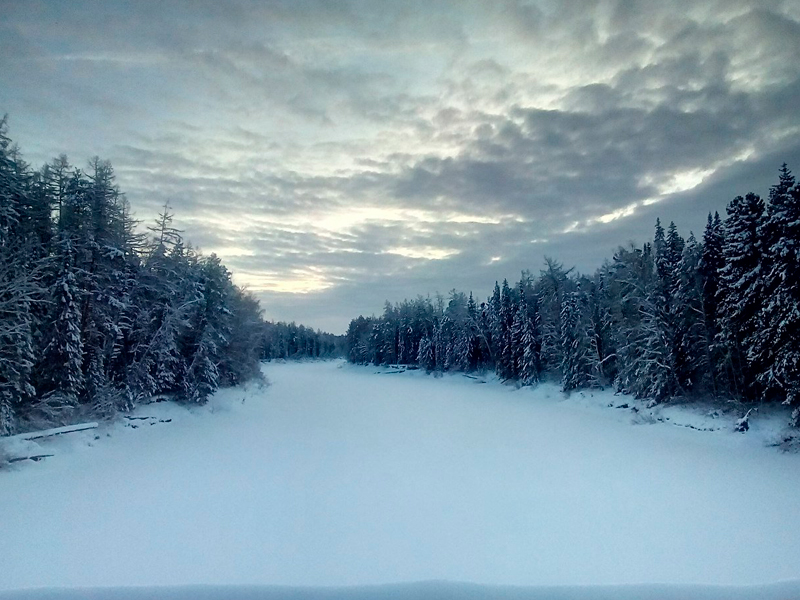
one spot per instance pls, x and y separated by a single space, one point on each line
289 341
93 315
675 318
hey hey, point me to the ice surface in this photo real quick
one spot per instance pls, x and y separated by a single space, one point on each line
336 476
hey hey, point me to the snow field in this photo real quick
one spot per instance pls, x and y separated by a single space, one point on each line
334 476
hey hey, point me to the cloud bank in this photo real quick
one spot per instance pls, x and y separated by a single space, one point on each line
336 155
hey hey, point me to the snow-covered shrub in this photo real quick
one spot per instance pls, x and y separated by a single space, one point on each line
643 418
109 400
743 424
53 410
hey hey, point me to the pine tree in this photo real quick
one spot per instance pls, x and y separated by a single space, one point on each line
425 356
518 327
165 235
667 333
61 367
18 287
471 331
696 367
709 268
551 286
649 349
580 364
740 292
495 329
529 367
506 367
572 372
643 368
774 345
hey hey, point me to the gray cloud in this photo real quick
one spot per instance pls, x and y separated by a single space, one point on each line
339 154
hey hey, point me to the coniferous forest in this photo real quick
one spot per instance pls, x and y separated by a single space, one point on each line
676 318
97 316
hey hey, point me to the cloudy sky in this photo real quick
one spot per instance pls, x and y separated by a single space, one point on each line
338 154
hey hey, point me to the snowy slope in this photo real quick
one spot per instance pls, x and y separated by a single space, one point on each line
335 476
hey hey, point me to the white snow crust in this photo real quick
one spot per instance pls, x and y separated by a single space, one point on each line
337 476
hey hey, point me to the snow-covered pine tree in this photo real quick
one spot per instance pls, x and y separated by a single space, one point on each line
572 373
18 287
530 363
471 332
596 330
456 332
518 326
506 368
774 346
550 287
60 369
666 310
671 259
709 267
425 356
202 375
485 358
660 252
580 364
609 320
495 322
356 338
114 272
438 342
455 340
218 291
643 368
388 336
240 360
695 370
740 293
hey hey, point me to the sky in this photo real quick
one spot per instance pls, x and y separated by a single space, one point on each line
336 155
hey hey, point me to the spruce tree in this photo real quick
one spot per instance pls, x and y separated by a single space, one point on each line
18 286
740 293
774 346
61 366
709 268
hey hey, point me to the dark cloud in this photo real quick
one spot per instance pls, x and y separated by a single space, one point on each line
339 154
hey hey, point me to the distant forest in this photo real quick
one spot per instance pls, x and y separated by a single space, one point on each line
675 318
96 316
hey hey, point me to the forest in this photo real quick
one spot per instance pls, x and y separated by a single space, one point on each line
97 316
673 319
290 341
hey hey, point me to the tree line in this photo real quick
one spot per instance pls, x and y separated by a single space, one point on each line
288 341
674 318
96 316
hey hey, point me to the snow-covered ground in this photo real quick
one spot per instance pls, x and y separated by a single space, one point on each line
425 590
334 475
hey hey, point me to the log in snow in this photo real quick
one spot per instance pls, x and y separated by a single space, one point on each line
34 458
36 435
